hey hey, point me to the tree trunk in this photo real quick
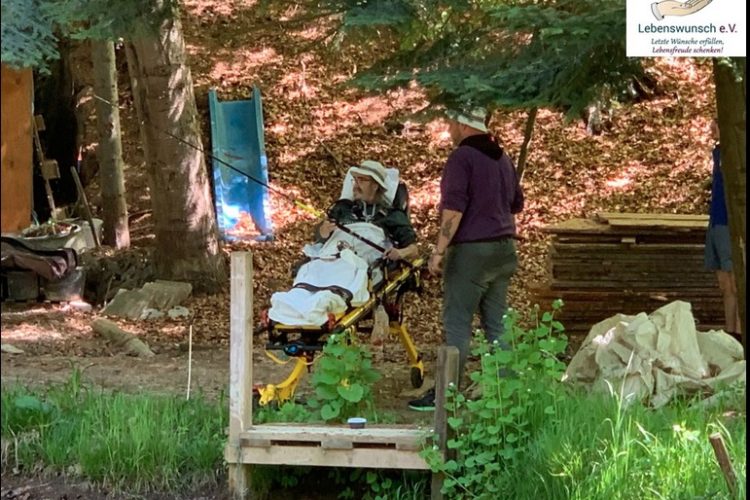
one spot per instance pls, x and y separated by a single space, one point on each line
729 76
527 133
109 151
187 244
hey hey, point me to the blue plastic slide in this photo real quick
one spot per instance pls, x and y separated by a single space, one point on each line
237 139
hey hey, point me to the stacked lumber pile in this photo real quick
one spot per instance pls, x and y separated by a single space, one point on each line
629 263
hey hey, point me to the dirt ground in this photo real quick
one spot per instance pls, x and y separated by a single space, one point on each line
55 340
59 488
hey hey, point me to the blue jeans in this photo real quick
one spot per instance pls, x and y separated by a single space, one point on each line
476 278
718 250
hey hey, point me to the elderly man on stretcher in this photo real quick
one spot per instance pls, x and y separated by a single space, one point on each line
362 227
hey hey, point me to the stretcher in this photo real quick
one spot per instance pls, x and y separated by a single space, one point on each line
300 344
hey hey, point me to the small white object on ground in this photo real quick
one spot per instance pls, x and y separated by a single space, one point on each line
357 422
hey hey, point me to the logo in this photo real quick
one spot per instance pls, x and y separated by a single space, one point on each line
693 28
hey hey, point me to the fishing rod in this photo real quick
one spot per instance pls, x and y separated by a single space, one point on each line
303 206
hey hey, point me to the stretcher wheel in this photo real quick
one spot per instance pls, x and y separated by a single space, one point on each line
417 378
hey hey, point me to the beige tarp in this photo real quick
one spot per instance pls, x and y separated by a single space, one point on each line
654 357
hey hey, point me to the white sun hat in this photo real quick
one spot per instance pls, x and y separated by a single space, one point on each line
388 178
474 118
373 169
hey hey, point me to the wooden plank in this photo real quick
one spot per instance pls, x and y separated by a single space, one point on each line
666 268
318 434
255 443
689 262
595 248
582 226
623 285
606 216
643 237
651 223
635 278
725 463
316 456
16 166
577 294
240 368
337 444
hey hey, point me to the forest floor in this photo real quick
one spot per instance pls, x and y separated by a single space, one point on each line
654 157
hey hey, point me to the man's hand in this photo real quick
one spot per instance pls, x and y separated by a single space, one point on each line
394 254
326 228
435 265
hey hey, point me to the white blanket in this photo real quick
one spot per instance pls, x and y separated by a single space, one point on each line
341 261
654 357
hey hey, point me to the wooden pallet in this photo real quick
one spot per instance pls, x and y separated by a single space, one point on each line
372 447
392 447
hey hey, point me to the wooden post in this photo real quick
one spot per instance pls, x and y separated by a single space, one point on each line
726 465
86 206
446 373
240 367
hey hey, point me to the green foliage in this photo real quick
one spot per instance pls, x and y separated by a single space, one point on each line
519 390
529 436
109 19
510 54
367 484
30 28
28 34
286 412
343 379
139 441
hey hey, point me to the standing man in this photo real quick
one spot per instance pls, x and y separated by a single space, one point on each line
718 250
475 251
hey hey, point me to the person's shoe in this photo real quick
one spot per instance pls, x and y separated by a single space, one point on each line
425 403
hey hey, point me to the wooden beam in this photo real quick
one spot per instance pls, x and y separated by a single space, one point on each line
240 368
724 462
320 433
371 458
446 375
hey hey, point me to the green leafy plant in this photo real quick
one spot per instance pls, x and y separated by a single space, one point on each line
343 379
286 412
519 390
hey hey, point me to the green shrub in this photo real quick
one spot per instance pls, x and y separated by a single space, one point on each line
530 436
519 390
343 379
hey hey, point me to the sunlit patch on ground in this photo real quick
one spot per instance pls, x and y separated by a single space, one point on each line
235 66
207 8
425 196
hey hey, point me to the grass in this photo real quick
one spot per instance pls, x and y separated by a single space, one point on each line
141 441
594 447
589 448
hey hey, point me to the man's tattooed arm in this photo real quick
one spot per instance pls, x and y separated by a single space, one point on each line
450 219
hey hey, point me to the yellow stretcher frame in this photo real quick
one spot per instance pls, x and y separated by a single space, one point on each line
284 391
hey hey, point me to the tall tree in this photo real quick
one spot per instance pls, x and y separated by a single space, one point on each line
186 232
187 244
730 76
109 151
